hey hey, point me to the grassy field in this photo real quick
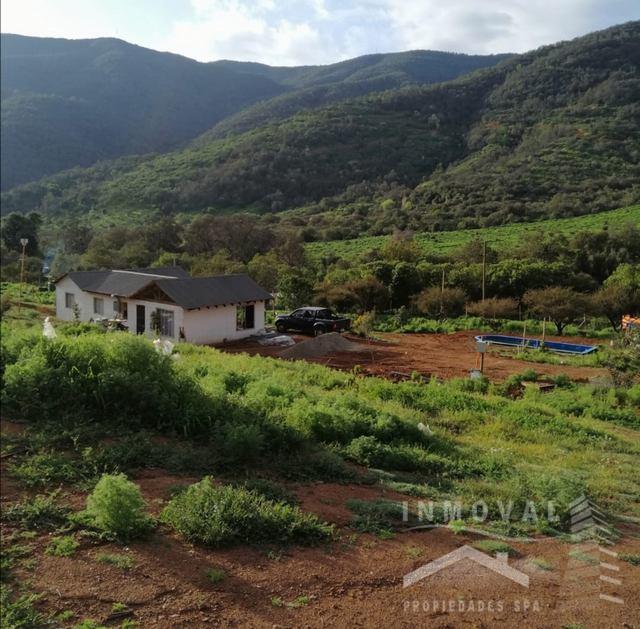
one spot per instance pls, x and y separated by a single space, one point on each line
258 433
498 237
304 421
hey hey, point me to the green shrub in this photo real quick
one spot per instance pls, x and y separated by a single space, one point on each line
379 516
494 546
370 452
41 511
63 546
315 464
216 575
116 507
113 378
270 490
45 468
124 562
224 515
18 611
633 559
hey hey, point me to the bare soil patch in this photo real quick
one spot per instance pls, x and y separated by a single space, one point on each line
355 581
442 355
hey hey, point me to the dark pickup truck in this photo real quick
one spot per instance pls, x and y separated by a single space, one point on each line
312 319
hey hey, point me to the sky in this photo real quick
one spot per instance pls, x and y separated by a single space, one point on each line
297 32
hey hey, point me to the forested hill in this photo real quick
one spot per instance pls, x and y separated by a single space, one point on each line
69 103
322 85
553 132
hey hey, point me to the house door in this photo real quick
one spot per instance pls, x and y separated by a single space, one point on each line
140 319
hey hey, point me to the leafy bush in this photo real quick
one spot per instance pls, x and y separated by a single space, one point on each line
379 516
63 546
41 511
114 378
18 611
219 516
441 303
119 561
116 507
494 546
216 575
45 468
270 490
370 452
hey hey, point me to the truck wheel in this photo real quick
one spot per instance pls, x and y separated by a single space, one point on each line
280 327
318 331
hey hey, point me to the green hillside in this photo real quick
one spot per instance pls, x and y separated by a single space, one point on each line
548 134
505 236
69 103
322 85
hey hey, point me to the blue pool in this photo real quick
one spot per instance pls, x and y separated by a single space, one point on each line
529 343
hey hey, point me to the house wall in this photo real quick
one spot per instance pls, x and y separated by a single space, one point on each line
84 301
205 325
218 324
150 306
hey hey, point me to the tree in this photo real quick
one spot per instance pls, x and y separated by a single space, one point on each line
294 290
401 248
626 275
17 226
493 310
265 269
290 250
162 234
473 251
439 304
560 304
220 263
75 236
63 263
405 282
361 295
242 235
614 301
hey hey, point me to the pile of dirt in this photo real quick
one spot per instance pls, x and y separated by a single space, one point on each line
321 346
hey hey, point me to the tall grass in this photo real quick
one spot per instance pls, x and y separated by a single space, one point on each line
302 421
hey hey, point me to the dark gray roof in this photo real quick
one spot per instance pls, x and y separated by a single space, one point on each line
167 271
198 292
123 283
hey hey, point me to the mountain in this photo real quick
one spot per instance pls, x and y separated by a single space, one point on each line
323 85
553 132
69 103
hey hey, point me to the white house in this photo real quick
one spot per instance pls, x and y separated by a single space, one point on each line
195 309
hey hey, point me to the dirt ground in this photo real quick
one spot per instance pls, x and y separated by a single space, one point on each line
442 355
355 581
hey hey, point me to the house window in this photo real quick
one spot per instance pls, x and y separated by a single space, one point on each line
69 300
245 317
116 308
98 306
165 322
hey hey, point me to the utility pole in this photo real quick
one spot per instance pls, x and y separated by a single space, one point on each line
24 242
484 267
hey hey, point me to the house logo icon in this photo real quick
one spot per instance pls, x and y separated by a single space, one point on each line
498 564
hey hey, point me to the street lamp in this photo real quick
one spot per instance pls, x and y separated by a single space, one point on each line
24 242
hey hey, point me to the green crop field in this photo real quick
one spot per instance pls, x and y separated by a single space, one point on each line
498 237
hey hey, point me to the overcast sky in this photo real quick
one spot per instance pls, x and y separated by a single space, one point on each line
293 32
